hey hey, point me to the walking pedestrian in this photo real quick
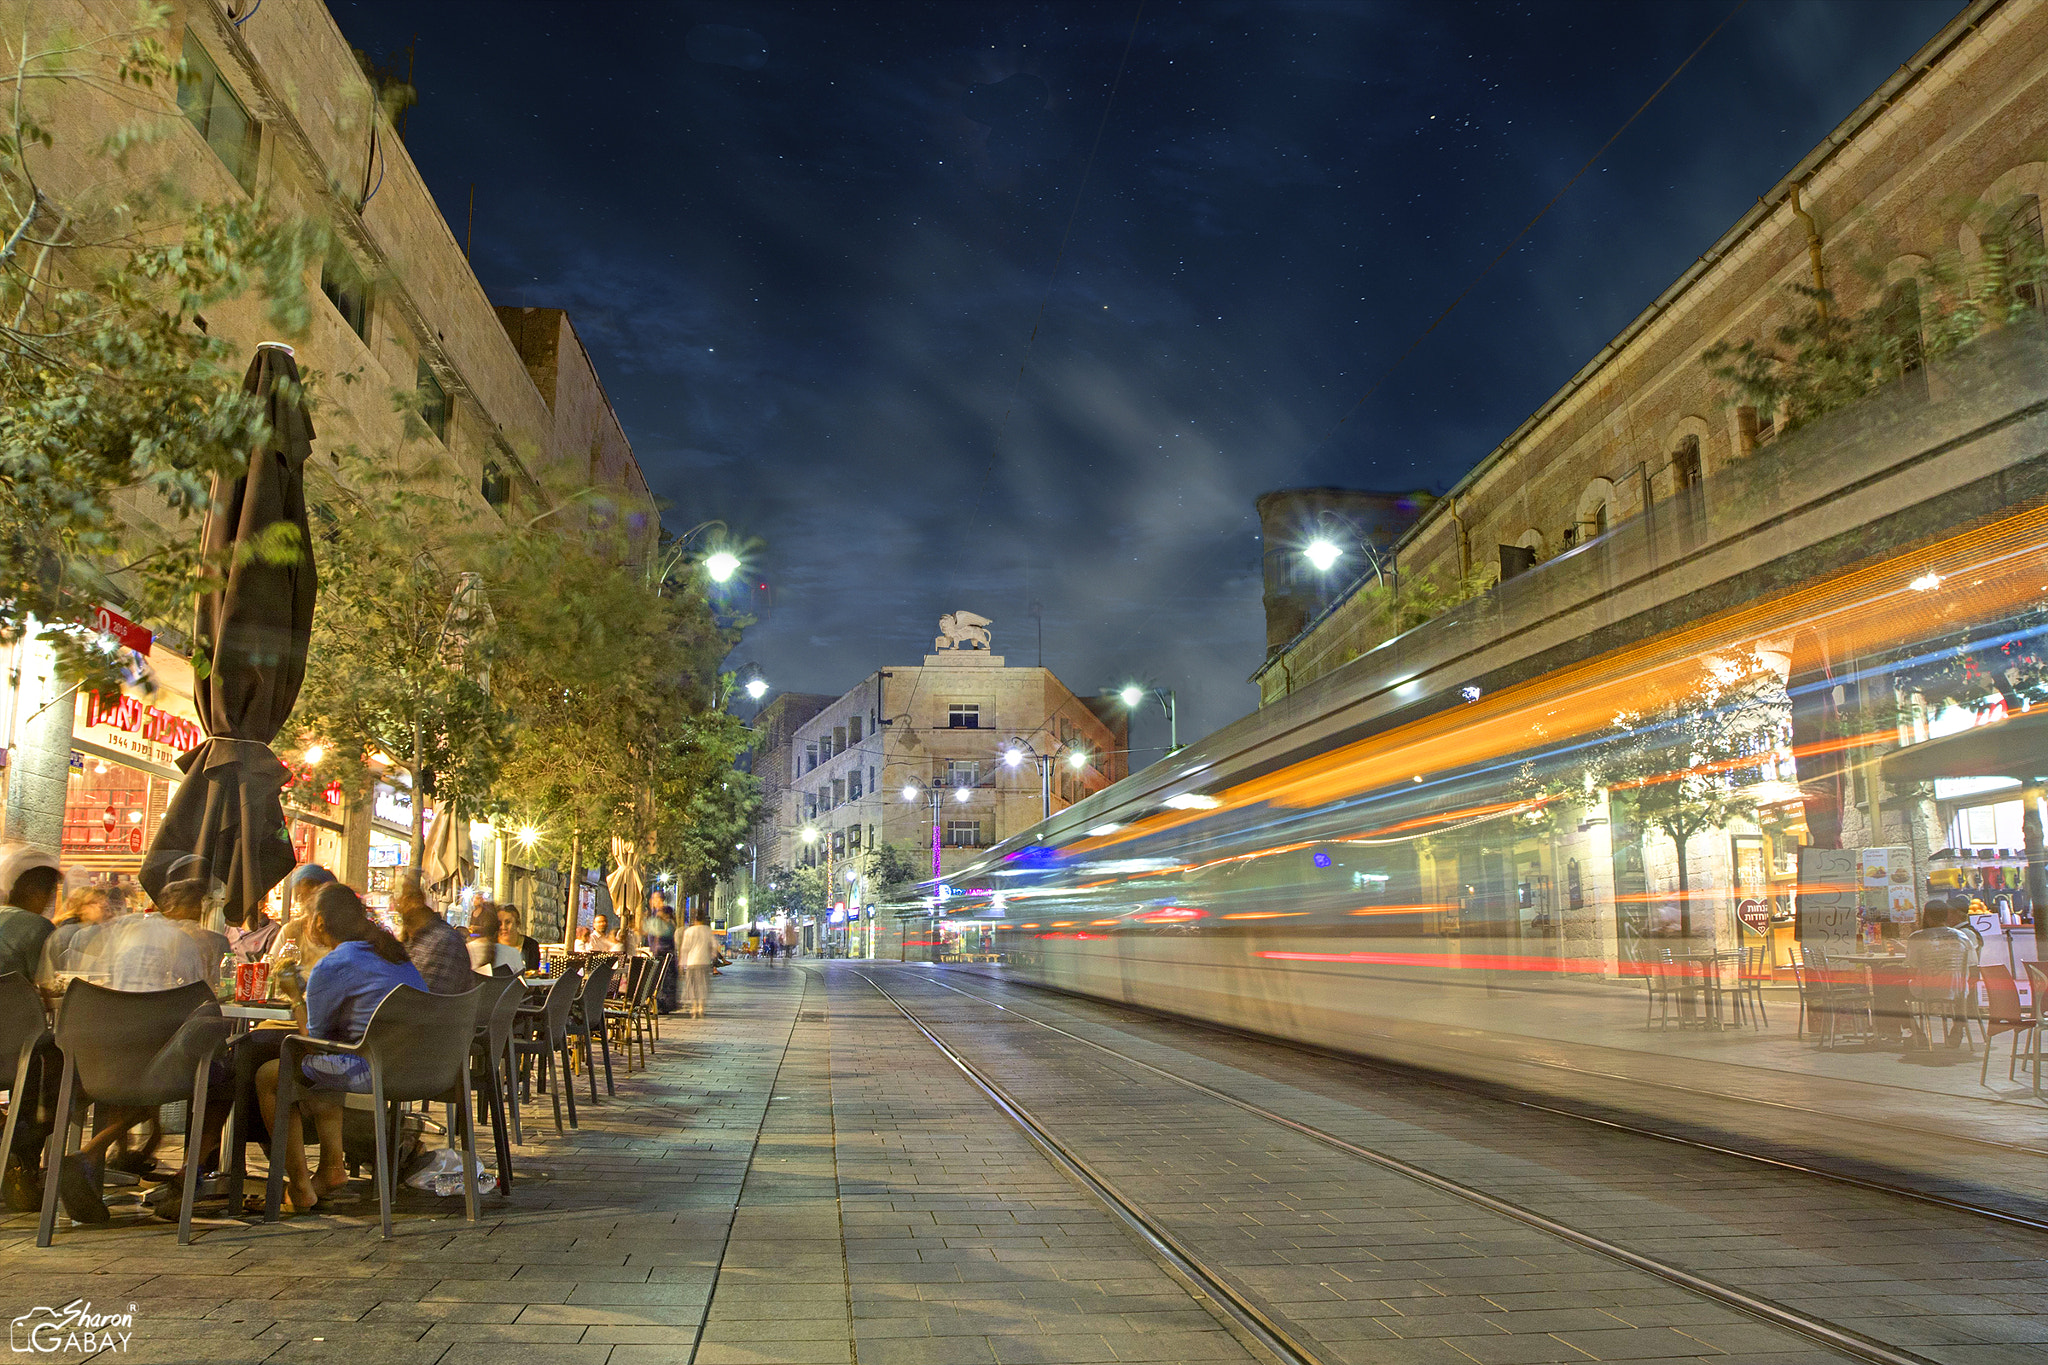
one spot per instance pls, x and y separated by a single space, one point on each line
658 929
698 951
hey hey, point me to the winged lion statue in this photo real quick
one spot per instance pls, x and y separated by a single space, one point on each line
962 630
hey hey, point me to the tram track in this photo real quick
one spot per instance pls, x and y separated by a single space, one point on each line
1504 1095
1810 1326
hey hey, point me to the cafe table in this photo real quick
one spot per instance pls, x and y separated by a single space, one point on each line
1890 999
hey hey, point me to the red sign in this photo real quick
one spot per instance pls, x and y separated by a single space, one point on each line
137 717
107 819
135 841
125 632
1754 913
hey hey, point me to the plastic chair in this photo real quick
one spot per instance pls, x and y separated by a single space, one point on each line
491 1069
2037 980
23 1028
139 1049
1749 983
1657 982
2006 1015
1836 997
546 1035
633 1015
418 1047
587 1019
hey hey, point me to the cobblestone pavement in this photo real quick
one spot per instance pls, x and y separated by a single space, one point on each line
802 1178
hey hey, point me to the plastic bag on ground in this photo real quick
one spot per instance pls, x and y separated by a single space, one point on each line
439 1172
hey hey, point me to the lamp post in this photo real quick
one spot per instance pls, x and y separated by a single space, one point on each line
1134 696
1017 750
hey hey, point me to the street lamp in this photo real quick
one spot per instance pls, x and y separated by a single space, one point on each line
314 753
1323 554
721 565
757 688
1134 696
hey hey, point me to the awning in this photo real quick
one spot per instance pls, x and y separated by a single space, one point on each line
2016 747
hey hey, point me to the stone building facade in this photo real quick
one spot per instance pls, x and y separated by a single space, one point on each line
1951 149
513 412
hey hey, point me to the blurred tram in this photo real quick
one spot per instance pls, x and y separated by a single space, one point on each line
1557 835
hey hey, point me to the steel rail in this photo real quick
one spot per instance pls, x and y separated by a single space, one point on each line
1820 1330
1267 1333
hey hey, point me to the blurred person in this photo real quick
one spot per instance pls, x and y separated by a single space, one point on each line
698 950
361 965
512 934
600 939
434 946
85 910
184 904
1939 959
487 951
300 889
660 930
29 879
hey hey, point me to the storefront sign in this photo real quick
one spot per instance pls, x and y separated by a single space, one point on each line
124 631
1755 914
127 727
392 805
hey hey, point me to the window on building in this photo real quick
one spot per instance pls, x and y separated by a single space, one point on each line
853 839
838 847
839 739
810 757
962 772
853 785
964 715
871 778
810 806
497 484
1688 489
2026 252
824 798
211 107
347 290
1905 347
838 791
432 400
963 834
853 730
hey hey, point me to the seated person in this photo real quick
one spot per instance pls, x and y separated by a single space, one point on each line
184 904
512 934
486 953
436 947
598 937
362 964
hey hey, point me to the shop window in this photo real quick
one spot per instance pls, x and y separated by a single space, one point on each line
964 715
110 810
347 290
963 834
210 105
432 400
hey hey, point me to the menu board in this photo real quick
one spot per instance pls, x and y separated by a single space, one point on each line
1889 888
1830 895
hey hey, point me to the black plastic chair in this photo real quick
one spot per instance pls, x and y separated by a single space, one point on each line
139 1049
23 1028
490 1069
633 1014
417 1045
544 1035
587 1020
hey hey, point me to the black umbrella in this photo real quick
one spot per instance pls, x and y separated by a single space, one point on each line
249 659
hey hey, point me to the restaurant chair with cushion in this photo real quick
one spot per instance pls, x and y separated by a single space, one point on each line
417 1045
23 1028
586 1022
133 1048
543 1035
2006 1015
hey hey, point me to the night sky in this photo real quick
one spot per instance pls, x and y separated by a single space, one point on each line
810 246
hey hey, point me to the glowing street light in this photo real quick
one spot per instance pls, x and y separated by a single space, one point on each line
1323 554
1012 756
909 791
961 793
1078 759
757 688
1134 696
721 565
314 753
810 835
528 836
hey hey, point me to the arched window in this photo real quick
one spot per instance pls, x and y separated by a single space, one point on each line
1905 350
2025 251
1688 489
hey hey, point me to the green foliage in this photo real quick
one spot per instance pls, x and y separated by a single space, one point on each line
396 664
895 873
792 891
1824 357
113 398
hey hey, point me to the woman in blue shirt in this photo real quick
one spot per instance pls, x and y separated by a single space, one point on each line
363 964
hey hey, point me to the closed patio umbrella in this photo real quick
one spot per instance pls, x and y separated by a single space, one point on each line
250 659
448 864
625 882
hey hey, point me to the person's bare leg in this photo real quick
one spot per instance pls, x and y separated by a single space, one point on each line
327 1115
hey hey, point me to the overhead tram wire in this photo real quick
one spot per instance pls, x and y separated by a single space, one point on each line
1512 243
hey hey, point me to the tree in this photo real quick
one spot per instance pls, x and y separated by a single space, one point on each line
794 892
116 406
896 872
398 660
